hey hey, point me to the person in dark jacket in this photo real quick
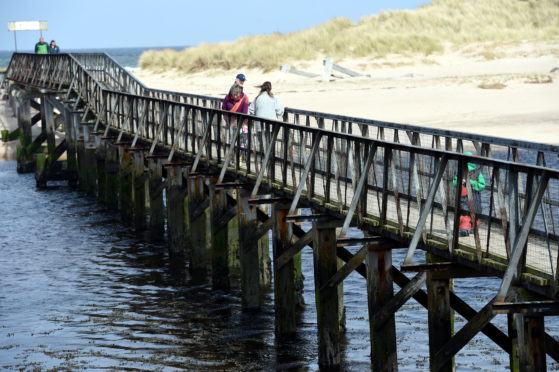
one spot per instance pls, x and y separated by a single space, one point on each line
41 47
53 48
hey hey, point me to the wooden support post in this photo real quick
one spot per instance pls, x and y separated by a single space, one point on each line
156 186
249 251
527 332
285 293
71 156
100 156
111 176
82 164
197 222
176 193
327 305
139 182
24 163
380 290
218 229
125 182
440 315
91 168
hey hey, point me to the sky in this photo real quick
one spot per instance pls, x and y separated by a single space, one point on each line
76 24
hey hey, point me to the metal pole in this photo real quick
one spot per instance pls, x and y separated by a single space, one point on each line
15 39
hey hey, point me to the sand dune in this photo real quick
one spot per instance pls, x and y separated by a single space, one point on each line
515 96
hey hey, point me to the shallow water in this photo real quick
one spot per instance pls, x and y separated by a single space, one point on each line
81 291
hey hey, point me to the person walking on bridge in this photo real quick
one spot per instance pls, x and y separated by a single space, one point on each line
477 184
41 47
53 48
237 101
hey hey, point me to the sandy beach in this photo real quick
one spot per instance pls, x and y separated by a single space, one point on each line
514 96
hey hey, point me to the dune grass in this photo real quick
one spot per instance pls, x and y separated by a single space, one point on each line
424 30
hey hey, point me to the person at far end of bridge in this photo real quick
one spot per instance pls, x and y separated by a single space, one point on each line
237 101
53 48
477 183
41 47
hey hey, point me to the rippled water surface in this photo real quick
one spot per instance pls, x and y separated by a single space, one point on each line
81 291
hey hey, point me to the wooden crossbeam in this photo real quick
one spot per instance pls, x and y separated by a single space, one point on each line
295 248
345 270
224 219
426 209
371 240
527 308
406 292
266 200
417 268
463 336
308 218
263 228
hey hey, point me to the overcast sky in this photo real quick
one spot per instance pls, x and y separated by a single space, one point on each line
142 23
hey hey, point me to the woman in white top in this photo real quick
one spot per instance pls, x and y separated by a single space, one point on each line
265 105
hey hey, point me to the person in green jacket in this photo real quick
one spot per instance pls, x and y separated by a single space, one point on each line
41 47
477 183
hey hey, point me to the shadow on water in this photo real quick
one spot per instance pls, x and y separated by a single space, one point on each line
81 291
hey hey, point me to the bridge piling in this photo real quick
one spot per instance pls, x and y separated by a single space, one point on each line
285 294
380 289
125 182
220 216
327 300
156 186
139 184
111 175
176 193
197 222
250 252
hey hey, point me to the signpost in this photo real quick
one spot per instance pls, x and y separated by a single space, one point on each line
27 26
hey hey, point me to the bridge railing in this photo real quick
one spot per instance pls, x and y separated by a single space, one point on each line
111 75
406 190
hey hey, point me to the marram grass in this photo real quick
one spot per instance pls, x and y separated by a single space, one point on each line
424 30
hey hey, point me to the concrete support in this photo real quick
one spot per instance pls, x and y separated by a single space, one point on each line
139 183
327 304
285 292
380 289
197 222
250 252
156 194
219 232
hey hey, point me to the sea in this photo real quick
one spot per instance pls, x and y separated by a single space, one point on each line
126 57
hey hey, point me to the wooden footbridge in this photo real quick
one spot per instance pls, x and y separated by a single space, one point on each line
174 163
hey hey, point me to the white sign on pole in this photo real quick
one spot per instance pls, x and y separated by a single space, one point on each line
28 26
